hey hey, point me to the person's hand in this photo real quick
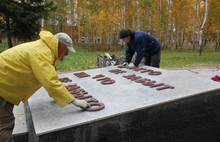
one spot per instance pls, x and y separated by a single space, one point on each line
125 64
80 103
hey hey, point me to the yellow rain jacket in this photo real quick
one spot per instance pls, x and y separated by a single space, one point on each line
27 67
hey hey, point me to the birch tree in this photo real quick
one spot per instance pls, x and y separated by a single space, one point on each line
202 27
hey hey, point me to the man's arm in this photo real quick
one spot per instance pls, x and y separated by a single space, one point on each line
140 45
45 73
129 52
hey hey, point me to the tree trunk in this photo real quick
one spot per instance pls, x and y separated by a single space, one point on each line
182 37
124 14
202 28
138 18
8 31
165 37
217 45
172 33
177 37
194 34
160 19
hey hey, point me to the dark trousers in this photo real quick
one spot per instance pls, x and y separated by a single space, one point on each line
153 60
7 120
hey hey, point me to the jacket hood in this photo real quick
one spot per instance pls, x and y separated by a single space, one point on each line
51 41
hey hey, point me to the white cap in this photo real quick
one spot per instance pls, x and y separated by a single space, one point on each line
66 40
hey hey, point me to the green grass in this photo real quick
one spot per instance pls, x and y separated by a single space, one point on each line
189 58
80 61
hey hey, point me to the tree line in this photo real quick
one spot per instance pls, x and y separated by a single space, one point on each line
173 22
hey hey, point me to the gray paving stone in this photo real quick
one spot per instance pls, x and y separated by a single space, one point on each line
20 132
20 120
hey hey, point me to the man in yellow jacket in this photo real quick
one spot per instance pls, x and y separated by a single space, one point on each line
27 67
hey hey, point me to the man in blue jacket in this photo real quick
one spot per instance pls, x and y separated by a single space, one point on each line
145 45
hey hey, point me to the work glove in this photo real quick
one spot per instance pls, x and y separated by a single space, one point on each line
80 103
125 64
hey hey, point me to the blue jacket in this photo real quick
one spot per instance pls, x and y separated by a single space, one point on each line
142 43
